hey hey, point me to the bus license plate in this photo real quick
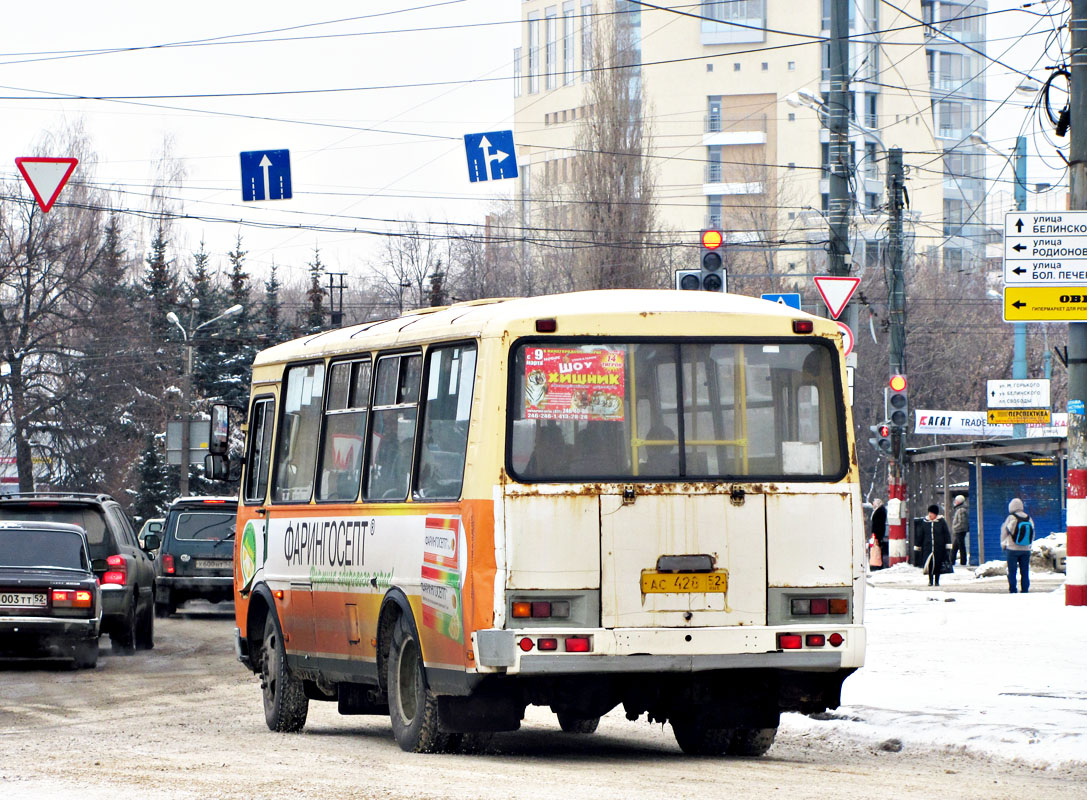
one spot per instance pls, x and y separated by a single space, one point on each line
684 582
211 563
22 600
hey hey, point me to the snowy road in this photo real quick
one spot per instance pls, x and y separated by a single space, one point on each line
988 672
983 697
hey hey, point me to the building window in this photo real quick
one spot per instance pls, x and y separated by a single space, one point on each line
551 49
517 72
567 43
765 66
871 201
713 118
792 117
709 67
713 168
533 54
871 168
954 119
792 165
953 259
736 67
871 118
586 40
953 216
792 66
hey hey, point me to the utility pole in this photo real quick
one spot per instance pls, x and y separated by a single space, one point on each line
896 305
1076 584
1019 329
335 299
838 110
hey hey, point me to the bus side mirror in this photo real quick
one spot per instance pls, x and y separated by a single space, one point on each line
219 442
216 467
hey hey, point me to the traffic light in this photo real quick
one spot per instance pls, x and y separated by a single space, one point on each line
688 279
712 274
898 412
881 439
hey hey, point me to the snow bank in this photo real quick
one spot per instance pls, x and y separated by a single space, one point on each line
997 673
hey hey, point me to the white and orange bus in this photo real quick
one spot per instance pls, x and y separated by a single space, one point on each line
581 501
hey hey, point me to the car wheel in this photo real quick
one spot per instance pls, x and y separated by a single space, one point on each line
751 741
413 708
285 703
574 724
86 654
145 629
696 739
123 637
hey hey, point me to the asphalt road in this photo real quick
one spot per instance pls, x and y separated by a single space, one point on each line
185 721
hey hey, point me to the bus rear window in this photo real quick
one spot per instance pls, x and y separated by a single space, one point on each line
668 410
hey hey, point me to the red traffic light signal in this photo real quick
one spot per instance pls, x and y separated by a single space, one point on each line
897 383
884 430
711 240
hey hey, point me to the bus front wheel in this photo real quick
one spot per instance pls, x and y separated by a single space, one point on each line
413 708
285 703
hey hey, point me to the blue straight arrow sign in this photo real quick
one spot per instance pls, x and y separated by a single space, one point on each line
490 156
266 175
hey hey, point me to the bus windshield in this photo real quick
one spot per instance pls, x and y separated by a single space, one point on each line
610 410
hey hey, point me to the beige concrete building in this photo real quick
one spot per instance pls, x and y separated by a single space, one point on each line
728 150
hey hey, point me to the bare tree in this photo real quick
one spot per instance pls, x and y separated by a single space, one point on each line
47 264
599 228
407 265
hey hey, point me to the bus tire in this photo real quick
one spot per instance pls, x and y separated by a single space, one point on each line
752 742
413 708
574 724
285 703
696 739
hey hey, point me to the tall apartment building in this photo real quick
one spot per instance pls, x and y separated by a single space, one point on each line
728 148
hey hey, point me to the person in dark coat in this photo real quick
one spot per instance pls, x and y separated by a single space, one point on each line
879 526
935 545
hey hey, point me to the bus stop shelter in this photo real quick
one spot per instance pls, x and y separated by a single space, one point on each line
927 478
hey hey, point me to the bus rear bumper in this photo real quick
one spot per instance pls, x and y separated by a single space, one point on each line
628 650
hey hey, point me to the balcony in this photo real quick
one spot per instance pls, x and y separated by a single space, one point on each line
722 131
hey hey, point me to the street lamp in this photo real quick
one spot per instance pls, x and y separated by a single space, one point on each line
802 98
187 337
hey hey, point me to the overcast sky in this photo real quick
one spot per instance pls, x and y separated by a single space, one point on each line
410 163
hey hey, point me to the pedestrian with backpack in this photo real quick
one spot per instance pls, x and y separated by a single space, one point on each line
1016 535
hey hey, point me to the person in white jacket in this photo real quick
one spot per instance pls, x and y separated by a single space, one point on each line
1015 539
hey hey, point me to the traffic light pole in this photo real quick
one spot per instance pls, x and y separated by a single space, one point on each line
1076 584
896 304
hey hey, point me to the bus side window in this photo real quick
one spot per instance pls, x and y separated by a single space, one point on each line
296 447
450 382
392 438
259 456
345 430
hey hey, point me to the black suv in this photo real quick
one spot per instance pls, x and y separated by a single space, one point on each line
127 576
196 559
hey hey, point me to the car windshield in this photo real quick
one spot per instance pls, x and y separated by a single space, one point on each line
88 518
675 410
30 548
204 525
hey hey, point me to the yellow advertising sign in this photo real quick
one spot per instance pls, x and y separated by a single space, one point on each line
1006 416
1039 303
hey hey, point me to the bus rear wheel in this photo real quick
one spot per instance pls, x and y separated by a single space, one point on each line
696 739
752 742
413 708
285 703
573 724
